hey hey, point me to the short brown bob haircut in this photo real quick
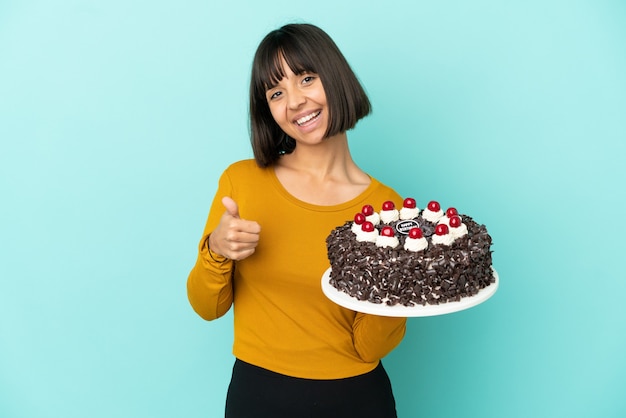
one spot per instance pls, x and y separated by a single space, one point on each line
305 48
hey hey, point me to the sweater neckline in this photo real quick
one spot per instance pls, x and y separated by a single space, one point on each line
322 208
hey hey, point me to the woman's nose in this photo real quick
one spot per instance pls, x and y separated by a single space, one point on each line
295 99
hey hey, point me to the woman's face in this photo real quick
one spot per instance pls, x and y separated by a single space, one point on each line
298 105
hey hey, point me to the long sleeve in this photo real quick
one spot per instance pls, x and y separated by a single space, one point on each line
209 285
376 336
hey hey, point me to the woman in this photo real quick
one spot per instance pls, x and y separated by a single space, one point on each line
263 250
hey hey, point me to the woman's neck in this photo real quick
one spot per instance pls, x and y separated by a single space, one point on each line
323 174
320 160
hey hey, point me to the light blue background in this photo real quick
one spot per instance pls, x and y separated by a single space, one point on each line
117 117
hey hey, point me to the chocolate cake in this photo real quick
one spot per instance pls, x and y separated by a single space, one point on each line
410 256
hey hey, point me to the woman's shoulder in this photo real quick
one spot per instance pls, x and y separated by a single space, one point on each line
244 167
379 190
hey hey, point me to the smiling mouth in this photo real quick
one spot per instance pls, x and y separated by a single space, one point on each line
307 118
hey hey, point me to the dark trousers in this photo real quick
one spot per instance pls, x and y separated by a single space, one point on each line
255 392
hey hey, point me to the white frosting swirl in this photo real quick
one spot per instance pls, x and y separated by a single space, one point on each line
415 244
384 241
373 218
409 213
355 227
446 239
431 216
459 231
389 215
363 236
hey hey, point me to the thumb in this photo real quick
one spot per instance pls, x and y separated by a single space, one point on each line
231 206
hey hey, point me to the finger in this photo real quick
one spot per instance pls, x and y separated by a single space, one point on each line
238 250
245 233
240 255
231 206
249 227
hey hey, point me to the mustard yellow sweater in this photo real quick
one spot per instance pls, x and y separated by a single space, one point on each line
283 322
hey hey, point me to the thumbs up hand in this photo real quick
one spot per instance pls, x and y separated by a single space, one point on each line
234 238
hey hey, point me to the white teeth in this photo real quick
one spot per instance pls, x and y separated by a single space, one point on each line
305 119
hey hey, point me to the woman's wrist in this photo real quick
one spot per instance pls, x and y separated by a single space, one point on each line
214 256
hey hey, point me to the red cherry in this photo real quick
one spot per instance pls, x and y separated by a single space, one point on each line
415 233
434 206
359 218
367 210
450 212
441 229
455 221
409 203
389 205
387 231
367 226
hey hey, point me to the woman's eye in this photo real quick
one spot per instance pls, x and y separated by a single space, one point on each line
275 95
308 79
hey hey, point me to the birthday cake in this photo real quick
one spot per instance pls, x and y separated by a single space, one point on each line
410 256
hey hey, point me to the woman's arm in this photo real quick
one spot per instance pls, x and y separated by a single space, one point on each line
226 238
376 336
209 285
